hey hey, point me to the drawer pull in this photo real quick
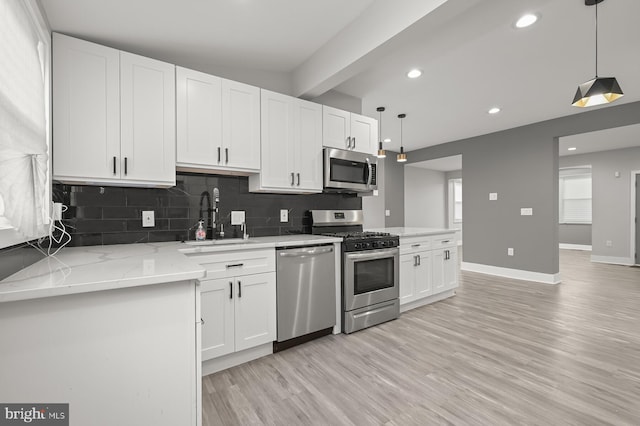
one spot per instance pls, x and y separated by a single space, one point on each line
446 241
235 265
415 245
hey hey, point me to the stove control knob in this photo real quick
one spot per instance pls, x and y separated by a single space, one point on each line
368 245
357 245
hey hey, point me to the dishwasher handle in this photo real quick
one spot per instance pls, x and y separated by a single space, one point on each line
306 251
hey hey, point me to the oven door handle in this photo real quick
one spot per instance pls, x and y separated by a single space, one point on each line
372 254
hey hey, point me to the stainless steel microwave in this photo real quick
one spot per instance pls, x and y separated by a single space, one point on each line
348 171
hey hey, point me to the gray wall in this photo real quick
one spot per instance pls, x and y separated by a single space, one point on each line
521 164
574 233
425 201
611 198
394 190
341 101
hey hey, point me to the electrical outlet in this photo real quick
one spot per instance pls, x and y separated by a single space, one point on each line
57 211
284 215
510 251
387 213
526 211
148 218
237 217
493 196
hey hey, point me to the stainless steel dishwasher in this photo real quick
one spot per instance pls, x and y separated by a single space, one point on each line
306 294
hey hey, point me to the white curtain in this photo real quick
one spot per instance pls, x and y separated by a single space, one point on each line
23 143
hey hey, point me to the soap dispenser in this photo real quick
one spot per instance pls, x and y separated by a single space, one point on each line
201 233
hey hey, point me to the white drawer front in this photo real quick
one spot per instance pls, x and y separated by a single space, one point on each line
410 245
441 241
223 265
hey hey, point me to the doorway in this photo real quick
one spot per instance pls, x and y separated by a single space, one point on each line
635 210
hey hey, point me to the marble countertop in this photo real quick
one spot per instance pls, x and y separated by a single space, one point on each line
95 268
414 232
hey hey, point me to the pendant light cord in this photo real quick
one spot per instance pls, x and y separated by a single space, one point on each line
596 39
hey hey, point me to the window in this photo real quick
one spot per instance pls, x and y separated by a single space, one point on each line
24 122
575 195
455 202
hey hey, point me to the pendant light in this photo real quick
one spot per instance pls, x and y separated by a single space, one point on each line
402 157
381 152
600 90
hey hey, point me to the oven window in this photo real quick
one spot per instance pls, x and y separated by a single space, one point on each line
372 275
348 171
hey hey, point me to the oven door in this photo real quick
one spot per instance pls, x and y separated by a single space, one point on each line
346 171
370 277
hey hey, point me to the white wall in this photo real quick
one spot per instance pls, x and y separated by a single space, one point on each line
425 198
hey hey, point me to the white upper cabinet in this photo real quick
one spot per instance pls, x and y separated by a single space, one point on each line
86 110
199 118
218 123
240 126
113 116
291 132
147 120
346 130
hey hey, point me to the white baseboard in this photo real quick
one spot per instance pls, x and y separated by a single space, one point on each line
627 261
227 361
517 274
566 246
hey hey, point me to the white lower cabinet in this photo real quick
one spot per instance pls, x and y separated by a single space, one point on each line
238 313
415 276
238 301
428 267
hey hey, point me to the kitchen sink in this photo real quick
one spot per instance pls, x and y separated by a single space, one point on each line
222 242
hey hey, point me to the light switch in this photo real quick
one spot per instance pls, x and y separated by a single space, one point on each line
493 196
528 211
510 251
387 213
148 218
284 215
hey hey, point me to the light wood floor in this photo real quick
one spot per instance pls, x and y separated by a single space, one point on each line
501 352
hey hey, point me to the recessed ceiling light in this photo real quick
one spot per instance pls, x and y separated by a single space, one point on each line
387 140
414 73
494 110
526 20
573 148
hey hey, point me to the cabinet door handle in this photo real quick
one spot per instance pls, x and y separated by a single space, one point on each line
239 288
292 178
419 260
218 154
234 265
125 166
114 164
415 260
298 179
354 142
348 141
201 321
230 290
226 155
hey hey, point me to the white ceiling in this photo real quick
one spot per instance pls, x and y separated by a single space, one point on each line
472 56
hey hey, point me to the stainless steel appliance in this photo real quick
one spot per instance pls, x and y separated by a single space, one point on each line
348 171
306 293
370 268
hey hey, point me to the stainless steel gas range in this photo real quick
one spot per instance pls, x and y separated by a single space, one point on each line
370 268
